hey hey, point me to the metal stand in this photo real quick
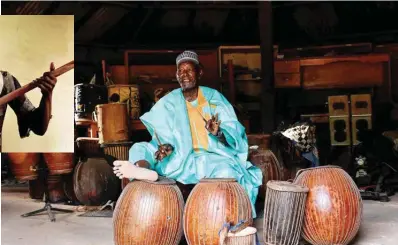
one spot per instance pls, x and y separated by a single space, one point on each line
47 206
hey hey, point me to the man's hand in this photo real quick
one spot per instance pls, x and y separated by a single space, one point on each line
47 82
164 150
213 125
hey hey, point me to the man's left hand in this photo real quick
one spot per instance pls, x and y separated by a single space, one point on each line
213 125
47 82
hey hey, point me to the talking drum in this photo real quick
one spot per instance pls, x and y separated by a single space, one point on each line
283 213
333 211
59 163
89 147
128 94
87 96
269 165
112 123
24 165
211 204
149 213
94 182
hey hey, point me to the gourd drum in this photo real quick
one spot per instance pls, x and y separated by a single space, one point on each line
212 203
94 182
334 206
283 213
24 165
128 94
59 163
149 213
269 165
112 123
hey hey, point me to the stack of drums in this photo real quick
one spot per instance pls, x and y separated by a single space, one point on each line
211 204
284 212
114 121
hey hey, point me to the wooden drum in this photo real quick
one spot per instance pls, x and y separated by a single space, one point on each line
94 182
112 123
334 206
283 213
149 213
244 237
211 203
119 151
59 163
24 165
55 185
89 147
87 96
269 165
128 94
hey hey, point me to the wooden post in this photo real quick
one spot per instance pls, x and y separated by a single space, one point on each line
267 67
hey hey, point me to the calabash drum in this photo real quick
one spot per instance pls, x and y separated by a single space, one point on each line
149 213
94 182
334 206
59 163
24 165
112 123
283 213
128 94
55 187
245 237
119 151
87 96
269 165
89 147
211 203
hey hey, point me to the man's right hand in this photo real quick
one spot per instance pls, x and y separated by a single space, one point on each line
163 151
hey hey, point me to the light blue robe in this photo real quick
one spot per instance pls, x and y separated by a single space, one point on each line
169 119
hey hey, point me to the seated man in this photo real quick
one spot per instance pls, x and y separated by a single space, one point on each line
29 117
195 135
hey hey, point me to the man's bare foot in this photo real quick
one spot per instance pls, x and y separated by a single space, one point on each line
126 169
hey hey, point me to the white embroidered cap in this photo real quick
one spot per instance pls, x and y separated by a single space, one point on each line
187 56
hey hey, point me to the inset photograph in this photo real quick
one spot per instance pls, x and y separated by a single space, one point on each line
37 83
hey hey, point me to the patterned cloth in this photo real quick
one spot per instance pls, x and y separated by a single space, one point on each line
303 134
304 139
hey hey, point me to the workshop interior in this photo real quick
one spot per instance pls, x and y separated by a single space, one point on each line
311 92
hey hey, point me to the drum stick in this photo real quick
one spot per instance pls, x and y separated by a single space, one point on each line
26 88
157 138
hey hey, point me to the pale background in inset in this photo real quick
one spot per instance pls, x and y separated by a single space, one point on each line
28 44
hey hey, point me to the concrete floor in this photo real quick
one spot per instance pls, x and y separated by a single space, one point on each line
379 226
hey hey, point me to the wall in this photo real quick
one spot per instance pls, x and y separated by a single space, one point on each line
28 45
